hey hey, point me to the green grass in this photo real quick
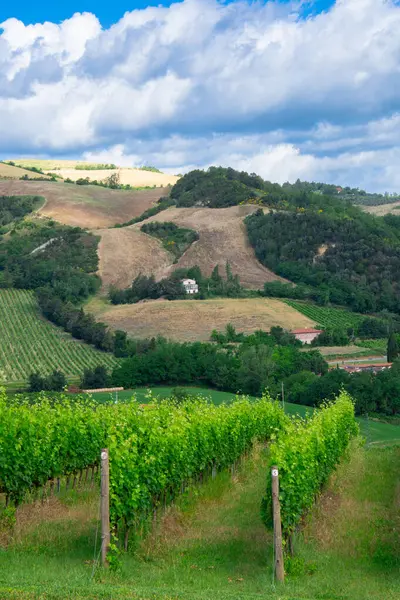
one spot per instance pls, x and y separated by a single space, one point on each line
374 431
212 544
326 316
29 342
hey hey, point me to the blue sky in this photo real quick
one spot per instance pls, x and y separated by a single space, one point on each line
107 12
289 90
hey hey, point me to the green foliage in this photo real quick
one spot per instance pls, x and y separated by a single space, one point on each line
14 208
175 239
95 378
56 382
154 451
306 454
95 167
328 317
44 440
47 255
149 168
393 350
360 263
29 342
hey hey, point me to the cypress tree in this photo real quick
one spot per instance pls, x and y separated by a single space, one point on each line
392 348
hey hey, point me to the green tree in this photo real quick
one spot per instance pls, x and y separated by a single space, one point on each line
392 348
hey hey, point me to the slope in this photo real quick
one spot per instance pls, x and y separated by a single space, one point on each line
11 172
28 342
222 238
85 206
186 320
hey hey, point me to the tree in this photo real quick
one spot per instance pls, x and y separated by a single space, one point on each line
392 348
56 382
36 382
113 181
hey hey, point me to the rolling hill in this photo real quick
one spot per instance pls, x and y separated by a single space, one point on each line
11 172
85 206
185 320
126 252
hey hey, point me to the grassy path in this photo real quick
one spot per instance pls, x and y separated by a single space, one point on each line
213 545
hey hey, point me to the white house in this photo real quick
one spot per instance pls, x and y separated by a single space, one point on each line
306 336
190 286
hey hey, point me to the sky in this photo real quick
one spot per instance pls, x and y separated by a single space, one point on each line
286 89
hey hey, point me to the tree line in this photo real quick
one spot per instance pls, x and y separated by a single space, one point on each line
360 264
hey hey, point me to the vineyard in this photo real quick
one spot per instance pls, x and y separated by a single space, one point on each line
327 317
159 450
29 343
306 453
153 450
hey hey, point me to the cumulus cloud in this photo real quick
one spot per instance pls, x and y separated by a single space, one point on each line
253 85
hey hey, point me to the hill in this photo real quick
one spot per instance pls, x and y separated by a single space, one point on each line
85 206
186 320
28 342
15 172
133 177
126 252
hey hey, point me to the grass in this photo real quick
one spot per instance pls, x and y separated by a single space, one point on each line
212 543
28 342
192 320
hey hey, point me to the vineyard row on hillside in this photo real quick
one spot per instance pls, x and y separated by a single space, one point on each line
29 343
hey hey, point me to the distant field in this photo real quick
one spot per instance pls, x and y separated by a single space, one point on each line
188 320
327 317
383 209
223 238
134 177
10 172
85 206
28 342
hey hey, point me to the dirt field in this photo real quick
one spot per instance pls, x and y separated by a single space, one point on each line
134 177
223 238
126 252
383 209
188 320
85 206
10 172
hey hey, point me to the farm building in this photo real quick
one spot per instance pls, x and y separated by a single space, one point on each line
359 368
190 286
306 336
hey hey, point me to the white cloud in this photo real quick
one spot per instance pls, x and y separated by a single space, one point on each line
190 84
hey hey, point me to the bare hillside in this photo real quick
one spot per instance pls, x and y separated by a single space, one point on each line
223 238
11 172
190 320
126 252
85 206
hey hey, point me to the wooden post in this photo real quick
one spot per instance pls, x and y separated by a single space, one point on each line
276 508
105 506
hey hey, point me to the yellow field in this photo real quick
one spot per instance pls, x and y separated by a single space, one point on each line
190 320
128 176
133 177
383 209
10 172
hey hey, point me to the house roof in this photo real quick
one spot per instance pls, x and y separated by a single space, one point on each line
306 330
